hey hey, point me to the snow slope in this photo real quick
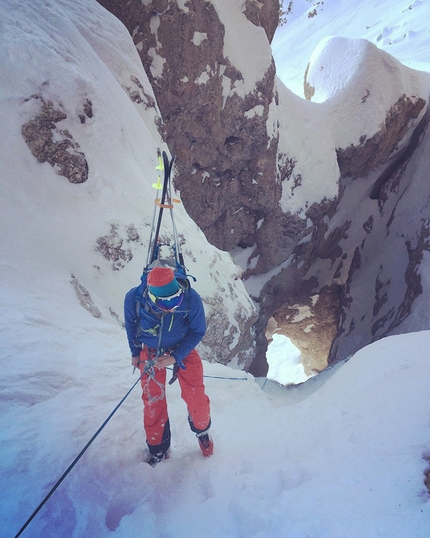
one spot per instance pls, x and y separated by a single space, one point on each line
67 53
398 27
341 455
349 74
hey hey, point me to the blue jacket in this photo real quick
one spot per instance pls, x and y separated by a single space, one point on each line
181 330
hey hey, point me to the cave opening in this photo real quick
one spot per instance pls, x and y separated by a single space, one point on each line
285 361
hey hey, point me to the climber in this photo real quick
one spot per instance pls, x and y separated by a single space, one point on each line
165 320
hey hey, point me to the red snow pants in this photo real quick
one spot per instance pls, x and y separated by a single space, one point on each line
155 414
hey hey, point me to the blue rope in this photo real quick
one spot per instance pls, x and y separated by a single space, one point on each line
231 378
218 377
81 453
75 461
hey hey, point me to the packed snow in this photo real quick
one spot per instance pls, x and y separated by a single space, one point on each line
398 27
344 454
285 362
352 83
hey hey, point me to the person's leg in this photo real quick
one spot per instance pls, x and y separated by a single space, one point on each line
198 404
193 393
155 415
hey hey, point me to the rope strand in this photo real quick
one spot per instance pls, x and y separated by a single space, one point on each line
75 461
81 453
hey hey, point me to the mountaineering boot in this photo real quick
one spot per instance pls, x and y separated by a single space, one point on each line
154 459
206 444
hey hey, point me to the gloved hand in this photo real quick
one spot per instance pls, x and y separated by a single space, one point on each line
179 363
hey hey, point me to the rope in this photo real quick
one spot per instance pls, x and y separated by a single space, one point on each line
75 461
150 372
219 377
231 378
81 453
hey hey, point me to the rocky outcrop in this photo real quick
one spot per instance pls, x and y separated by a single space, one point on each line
48 143
216 121
84 297
358 161
115 246
355 273
312 327
362 260
264 13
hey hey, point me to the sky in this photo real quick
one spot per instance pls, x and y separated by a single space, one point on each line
343 454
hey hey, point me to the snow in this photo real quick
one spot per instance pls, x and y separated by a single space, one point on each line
354 83
54 223
351 73
199 37
285 363
398 27
343 454
251 56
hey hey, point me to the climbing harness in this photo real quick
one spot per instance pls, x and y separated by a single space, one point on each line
150 376
149 372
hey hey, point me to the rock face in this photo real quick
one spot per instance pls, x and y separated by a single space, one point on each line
216 120
61 153
264 13
355 161
331 248
357 276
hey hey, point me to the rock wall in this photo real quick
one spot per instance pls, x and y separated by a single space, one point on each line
358 274
216 121
56 146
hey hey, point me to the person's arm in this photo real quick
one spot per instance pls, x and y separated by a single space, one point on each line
196 329
131 321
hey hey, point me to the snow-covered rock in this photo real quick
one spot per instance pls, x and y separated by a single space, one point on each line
293 189
360 184
299 192
79 136
71 250
211 67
